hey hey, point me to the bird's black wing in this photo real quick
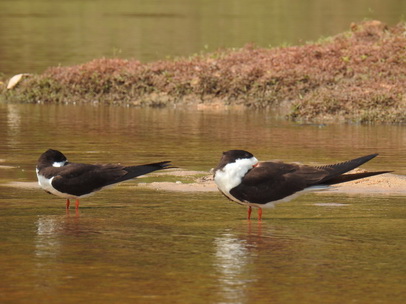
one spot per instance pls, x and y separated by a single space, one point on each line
271 181
82 179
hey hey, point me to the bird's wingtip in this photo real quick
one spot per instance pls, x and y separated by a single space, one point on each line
167 165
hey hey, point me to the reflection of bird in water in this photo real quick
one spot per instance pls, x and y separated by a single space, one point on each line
52 229
74 180
243 256
231 261
241 178
57 241
46 242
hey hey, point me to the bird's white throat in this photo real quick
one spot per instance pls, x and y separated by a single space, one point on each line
231 175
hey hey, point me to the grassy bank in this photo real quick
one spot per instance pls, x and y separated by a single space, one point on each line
359 75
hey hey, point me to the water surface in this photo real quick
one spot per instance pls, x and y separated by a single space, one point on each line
135 245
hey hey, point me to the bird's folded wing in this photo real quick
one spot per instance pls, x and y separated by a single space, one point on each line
84 179
271 181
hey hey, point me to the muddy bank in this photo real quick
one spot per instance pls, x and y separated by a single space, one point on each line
356 76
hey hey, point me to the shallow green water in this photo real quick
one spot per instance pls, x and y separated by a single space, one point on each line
134 245
36 34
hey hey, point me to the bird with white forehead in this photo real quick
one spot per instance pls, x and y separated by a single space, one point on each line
245 180
58 176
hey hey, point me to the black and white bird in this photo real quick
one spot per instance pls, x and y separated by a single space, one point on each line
74 180
241 178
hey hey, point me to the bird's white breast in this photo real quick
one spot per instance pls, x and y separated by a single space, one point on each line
46 184
231 175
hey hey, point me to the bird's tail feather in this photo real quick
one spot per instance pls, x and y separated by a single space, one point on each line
352 176
134 171
336 170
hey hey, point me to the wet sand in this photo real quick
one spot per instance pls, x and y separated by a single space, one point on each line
202 181
382 184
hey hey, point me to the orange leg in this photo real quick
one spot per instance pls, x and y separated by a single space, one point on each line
77 204
249 212
259 214
67 203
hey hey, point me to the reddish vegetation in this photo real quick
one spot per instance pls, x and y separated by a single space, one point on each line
358 76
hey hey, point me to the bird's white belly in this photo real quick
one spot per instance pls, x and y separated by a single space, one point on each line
294 195
46 184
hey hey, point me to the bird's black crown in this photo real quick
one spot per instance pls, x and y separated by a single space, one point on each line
50 156
233 155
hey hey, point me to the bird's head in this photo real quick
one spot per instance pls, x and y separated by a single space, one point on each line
52 158
233 156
